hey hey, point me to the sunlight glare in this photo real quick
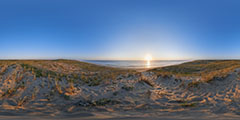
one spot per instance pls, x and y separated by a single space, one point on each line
148 58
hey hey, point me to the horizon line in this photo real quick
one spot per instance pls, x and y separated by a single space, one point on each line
115 59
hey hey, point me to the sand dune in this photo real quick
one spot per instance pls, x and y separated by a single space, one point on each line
72 90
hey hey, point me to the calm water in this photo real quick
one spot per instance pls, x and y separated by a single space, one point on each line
136 64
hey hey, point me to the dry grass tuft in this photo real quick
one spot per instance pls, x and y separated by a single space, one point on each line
207 70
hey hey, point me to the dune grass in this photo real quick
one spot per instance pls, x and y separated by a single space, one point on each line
72 70
206 70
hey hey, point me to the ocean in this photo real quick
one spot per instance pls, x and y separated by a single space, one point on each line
136 64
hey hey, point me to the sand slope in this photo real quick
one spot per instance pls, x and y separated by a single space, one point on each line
128 95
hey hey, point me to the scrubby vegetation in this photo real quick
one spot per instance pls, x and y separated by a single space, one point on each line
73 71
55 77
73 86
206 70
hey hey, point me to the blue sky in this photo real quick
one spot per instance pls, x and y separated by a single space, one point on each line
119 29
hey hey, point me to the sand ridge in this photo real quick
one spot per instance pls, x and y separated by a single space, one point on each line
138 95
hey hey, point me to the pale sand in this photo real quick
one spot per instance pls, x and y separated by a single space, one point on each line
130 99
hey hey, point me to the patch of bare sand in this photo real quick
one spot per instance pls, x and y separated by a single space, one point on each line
130 97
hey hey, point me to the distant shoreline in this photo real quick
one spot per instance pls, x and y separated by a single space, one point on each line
139 65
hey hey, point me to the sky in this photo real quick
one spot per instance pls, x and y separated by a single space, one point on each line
119 29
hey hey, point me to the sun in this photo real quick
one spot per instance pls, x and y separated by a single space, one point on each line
148 58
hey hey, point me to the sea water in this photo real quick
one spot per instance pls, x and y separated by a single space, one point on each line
135 64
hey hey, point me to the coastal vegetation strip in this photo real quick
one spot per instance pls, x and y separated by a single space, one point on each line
205 70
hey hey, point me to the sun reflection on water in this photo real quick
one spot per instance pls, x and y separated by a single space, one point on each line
148 58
